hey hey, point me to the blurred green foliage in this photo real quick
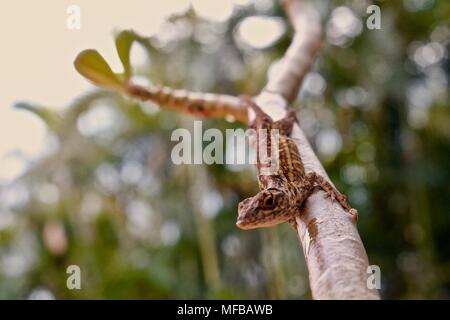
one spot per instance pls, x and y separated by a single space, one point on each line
107 197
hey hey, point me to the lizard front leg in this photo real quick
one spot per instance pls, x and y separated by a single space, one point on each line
332 192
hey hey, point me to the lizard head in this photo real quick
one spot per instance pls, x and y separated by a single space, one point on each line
265 209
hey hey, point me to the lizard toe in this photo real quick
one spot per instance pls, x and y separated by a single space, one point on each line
354 214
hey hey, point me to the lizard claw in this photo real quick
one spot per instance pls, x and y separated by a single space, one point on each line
331 196
354 214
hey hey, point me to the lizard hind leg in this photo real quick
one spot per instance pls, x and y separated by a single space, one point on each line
333 193
286 124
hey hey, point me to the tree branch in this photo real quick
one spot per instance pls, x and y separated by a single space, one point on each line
301 53
207 105
334 253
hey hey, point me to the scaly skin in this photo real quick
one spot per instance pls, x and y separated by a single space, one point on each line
282 192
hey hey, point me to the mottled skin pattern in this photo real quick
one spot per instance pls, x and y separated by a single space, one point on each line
283 192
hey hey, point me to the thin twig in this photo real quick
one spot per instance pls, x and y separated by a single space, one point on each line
206 105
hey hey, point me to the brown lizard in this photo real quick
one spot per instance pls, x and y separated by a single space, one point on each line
282 192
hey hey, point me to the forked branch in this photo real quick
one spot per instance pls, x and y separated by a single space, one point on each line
336 259
334 253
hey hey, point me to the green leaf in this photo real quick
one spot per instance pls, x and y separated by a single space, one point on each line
93 67
124 41
51 118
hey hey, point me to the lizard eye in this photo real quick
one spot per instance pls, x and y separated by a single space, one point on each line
268 201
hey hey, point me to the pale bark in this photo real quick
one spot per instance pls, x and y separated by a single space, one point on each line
334 253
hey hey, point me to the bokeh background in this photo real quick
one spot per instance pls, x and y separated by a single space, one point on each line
86 176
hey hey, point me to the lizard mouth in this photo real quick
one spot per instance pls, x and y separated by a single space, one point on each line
242 225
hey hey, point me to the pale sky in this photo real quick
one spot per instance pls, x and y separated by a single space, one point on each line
38 49
37 53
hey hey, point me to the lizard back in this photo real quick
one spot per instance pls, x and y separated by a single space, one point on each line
289 166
